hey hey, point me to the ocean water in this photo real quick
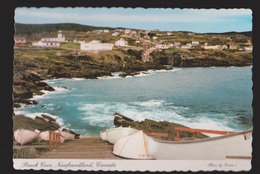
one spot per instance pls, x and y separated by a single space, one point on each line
217 98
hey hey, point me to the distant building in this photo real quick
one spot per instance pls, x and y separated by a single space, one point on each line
96 46
121 42
161 46
115 34
176 44
59 38
195 43
19 41
47 44
248 49
233 46
127 31
187 46
212 47
50 42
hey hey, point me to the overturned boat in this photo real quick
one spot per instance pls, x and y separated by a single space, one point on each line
113 134
63 135
25 136
138 145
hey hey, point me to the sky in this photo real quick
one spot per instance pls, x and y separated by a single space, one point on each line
193 20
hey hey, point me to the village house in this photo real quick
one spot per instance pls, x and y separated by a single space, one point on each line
47 44
97 31
127 31
233 46
19 41
96 46
146 43
59 38
177 44
195 43
121 42
248 49
115 34
212 47
133 32
162 46
187 46
50 42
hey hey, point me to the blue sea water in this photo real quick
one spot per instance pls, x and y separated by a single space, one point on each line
217 98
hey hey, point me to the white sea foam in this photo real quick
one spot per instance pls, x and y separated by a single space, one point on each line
142 74
150 103
99 113
102 114
58 89
78 79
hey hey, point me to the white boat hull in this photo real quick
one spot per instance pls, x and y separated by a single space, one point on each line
24 136
103 135
113 134
140 146
66 136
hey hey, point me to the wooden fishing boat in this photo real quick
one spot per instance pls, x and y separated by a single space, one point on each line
140 146
24 136
113 134
44 135
103 135
64 135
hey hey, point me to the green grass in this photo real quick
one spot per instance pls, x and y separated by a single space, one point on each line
71 45
176 50
46 53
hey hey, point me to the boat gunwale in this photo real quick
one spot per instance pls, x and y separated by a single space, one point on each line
203 139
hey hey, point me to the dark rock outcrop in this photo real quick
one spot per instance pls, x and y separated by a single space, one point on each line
149 125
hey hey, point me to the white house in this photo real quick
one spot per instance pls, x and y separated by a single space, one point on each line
96 46
248 49
187 46
195 43
59 38
115 34
212 47
176 44
161 46
47 44
19 41
127 31
121 42
50 42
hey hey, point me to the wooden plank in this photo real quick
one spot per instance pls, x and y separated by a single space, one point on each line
84 148
31 146
203 130
155 134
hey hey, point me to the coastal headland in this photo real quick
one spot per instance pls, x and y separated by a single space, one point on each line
133 51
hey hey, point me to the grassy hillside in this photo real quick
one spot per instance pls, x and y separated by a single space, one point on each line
23 29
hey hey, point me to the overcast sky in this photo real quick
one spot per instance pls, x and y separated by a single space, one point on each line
194 20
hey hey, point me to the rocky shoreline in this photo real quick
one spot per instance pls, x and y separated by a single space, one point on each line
31 70
33 66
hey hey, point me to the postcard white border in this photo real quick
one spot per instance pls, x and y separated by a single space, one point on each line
132 165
